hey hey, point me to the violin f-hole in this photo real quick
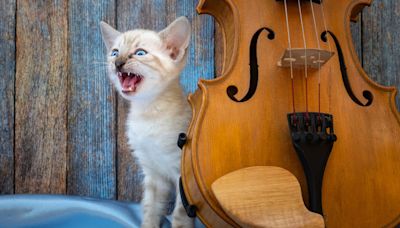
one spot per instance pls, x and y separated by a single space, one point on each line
232 90
366 93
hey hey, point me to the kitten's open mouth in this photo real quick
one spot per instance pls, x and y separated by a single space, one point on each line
129 81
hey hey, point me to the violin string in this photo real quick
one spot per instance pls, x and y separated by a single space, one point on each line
305 54
323 19
290 59
319 59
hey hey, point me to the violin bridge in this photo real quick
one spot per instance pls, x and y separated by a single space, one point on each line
316 58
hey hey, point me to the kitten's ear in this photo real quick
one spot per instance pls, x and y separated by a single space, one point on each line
177 37
109 34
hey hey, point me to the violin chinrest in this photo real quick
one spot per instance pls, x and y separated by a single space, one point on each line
264 196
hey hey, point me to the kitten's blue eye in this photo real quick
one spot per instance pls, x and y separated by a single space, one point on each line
140 52
115 52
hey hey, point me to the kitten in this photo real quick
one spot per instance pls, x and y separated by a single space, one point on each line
144 67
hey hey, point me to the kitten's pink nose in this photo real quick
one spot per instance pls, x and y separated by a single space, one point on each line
119 63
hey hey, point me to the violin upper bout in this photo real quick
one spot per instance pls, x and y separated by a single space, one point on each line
357 8
227 16
353 12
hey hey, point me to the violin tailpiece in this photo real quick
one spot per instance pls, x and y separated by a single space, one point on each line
313 137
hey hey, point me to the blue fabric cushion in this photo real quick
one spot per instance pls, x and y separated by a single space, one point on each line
62 211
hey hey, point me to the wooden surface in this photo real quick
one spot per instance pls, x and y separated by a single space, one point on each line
274 202
7 82
69 129
380 34
71 140
41 97
91 104
227 135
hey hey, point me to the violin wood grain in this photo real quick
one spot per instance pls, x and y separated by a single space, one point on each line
225 135
274 202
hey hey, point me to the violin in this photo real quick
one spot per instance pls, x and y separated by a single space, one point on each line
293 95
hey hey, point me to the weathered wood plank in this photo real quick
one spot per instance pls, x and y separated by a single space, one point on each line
381 42
356 33
7 80
41 92
201 54
91 104
218 50
156 15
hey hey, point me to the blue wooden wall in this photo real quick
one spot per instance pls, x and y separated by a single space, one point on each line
61 123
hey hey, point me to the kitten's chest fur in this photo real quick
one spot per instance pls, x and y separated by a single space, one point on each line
153 129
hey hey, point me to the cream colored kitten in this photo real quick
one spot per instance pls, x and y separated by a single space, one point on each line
144 67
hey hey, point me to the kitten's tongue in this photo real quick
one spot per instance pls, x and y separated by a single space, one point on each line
129 81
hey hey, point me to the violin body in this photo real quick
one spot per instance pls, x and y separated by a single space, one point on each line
248 127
